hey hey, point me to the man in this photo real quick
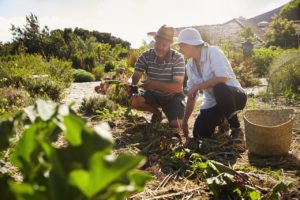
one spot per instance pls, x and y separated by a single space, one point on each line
165 71
209 71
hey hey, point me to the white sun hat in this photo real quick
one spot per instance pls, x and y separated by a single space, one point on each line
189 36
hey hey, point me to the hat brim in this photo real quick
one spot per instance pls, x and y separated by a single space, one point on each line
153 38
190 42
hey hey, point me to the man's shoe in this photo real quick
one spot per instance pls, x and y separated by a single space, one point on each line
236 133
156 118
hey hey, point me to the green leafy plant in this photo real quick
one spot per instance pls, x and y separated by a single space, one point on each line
262 59
84 169
98 71
96 105
223 181
81 75
109 66
243 68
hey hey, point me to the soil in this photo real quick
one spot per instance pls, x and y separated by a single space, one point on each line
137 135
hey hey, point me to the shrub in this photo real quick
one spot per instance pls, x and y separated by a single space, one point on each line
284 75
245 73
36 75
45 88
132 58
86 61
109 66
134 54
13 100
98 71
81 75
89 61
77 62
94 105
243 68
61 71
119 95
262 59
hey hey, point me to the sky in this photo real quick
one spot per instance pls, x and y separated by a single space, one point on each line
127 19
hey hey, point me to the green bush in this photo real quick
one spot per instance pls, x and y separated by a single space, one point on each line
98 71
13 100
81 75
132 57
284 75
109 66
89 61
77 62
61 71
38 76
243 68
45 88
86 61
262 59
120 94
94 105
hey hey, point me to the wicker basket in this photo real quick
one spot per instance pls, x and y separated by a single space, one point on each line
269 132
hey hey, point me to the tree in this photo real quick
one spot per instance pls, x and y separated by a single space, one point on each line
6 49
31 36
281 33
247 35
56 45
249 38
291 10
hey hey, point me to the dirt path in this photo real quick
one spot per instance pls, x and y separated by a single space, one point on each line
260 88
78 91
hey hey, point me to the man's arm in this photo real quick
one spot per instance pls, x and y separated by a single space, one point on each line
135 78
173 87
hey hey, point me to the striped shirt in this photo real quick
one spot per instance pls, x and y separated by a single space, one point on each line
172 66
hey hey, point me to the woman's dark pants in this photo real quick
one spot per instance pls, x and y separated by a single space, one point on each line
229 100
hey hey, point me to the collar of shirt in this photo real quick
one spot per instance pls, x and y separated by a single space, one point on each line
204 50
167 58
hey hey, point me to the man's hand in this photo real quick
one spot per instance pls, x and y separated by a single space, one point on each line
131 89
147 85
185 128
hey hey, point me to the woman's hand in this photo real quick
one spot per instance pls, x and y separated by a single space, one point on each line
193 92
185 128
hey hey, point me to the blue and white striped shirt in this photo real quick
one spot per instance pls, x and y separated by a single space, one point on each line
172 66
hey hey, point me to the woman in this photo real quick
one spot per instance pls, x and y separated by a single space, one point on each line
209 71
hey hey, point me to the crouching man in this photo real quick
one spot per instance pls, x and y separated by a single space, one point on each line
164 69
